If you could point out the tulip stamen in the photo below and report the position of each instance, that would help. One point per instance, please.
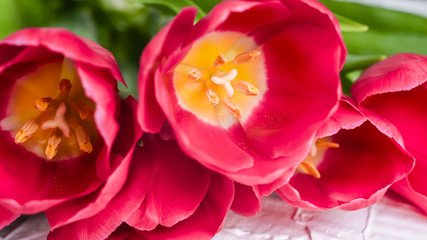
(84, 111)
(27, 131)
(53, 144)
(220, 60)
(309, 168)
(246, 57)
(315, 156)
(246, 88)
(43, 103)
(233, 108)
(194, 75)
(212, 97)
(83, 139)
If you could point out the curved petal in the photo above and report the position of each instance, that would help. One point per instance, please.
(150, 115)
(245, 201)
(219, 151)
(354, 175)
(179, 185)
(404, 188)
(6, 217)
(68, 44)
(89, 205)
(400, 72)
(208, 218)
(119, 208)
(294, 100)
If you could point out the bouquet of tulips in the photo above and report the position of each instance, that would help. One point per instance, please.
(320, 102)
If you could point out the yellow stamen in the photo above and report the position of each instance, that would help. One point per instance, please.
(233, 108)
(83, 139)
(212, 96)
(246, 88)
(53, 144)
(27, 131)
(84, 111)
(220, 60)
(43, 103)
(308, 168)
(322, 143)
(194, 75)
(246, 57)
(59, 121)
(65, 85)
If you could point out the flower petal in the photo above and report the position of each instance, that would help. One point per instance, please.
(151, 117)
(180, 184)
(208, 218)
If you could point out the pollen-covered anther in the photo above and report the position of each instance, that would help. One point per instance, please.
(308, 168)
(322, 143)
(27, 131)
(213, 98)
(220, 60)
(83, 139)
(246, 88)
(43, 103)
(53, 144)
(84, 111)
(58, 121)
(194, 75)
(233, 108)
(224, 80)
(65, 85)
(246, 57)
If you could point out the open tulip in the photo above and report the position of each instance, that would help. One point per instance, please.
(59, 108)
(350, 166)
(246, 87)
(395, 91)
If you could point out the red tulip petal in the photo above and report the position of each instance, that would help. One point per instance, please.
(208, 218)
(6, 217)
(245, 201)
(119, 208)
(180, 184)
(164, 43)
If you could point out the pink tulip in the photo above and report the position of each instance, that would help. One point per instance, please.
(350, 166)
(166, 196)
(62, 149)
(244, 89)
(393, 91)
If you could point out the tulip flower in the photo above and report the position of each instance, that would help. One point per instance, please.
(59, 131)
(245, 88)
(167, 196)
(350, 166)
(393, 91)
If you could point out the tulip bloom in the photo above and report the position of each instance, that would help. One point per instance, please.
(246, 87)
(167, 196)
(59, 131)
(350, 166)
(394, 90)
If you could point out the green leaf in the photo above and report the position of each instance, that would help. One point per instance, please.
(390, 32)
(354, 62)
(9, 18)
(348, 25)
(175, 5)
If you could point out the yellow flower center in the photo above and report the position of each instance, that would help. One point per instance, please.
(53, 122)
(315, 156)
(222, 78)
